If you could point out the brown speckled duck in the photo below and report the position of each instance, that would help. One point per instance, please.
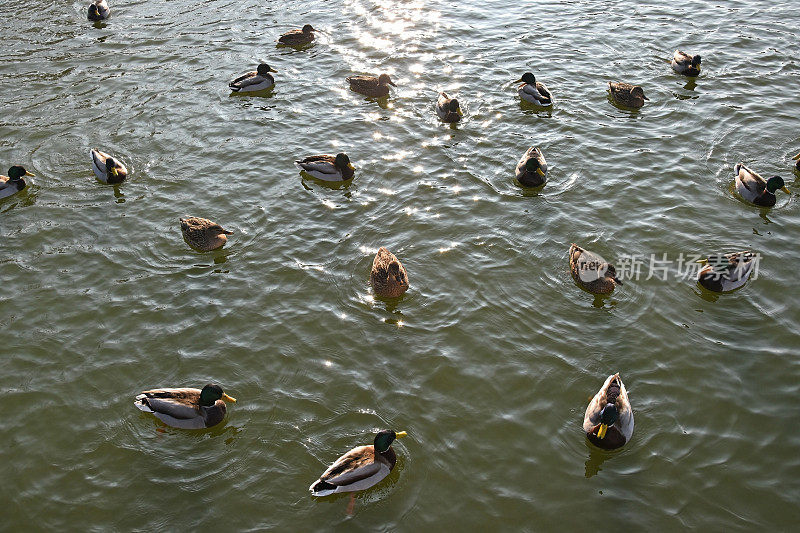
(203, 234)
(627, 95)
(297, 37)
(186, 408)
(388, 276)
(591, 272)
(608, 421)
(371, 86)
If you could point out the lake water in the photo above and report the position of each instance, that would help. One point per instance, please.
(491, 357)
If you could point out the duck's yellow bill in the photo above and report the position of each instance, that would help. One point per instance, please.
(350, 166)
(540, 172)
(601, 433)
(796, 157)
(400, 434)
(460, 113)
(786, 189)
(228, 398)
(29, 174)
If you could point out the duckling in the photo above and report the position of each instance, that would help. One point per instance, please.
(533, 91)
(797, 162)
(532, 168)
(298, 37)
(327, 167)
(107, 169)
(371, 86)
(203, 234)
(14, 182)
(591, 272)
(683, 63)
(726, 272)
(360, 468)
(99, 10)
(388, 277)
(608, 421)
(448, 109)
(756, 189)
(627, 95)
(256, 80)
(186, 408)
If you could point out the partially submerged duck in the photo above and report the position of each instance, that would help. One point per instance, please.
(298, 37)
(448, 109)
(531, 170)
(797, 162)
(591, 272)
(534, 92)
(14, 182)
(726, 272)
(99, 10)
(627, 95)
(203, 234)
(256, 80)
(371, 86)
(608, 421)
(683, 63)
(186, 408)
(388, 276)
(756, 189)
(360, 468)
(108, 169)
(327, 167)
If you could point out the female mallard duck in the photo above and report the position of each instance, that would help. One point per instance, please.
(203, 234)
(327, 167)
(99, 10)
(186, 408)
(256, 80)
(371, 86)
(360, 468)
(591, 272)
(627, 95)
(448, 109)
(683, 63)
(726, 272)
(14, 182)
(107, 169)
(797, 162)
(388, 276)
(298, 37)
(532, 168)
(756, 189)
(533, 91)
(608, 421)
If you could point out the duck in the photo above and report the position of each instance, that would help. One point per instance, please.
(107, 169)
(627, 95)
(99, 10)
(14, 182)
(534, 92)
(360, 468)
(253, 81)
(532, 168)
(327, 167)
(683, 63)
(448, 109)
(608, 421)
(186, 408)
(297, 37)
(591, 272)
(371, 86)
(755, 189)
(727, 272)
(797, 162)
(203, 234)
(388, 276)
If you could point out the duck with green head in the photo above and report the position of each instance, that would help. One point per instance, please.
(186, 408)
(448, 109)
(108, 169)
(98, 10)
(534, 92)
(726, 272)
(254, 81)
(531, 169)
(327, 167)
(755, 189)
(14, 182)
(683, 63)
(608, 421)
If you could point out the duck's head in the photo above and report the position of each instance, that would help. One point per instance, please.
(696, 62)
(532, 165)
(308, 29)
(385, 438)
(775, 183)
(264, 69)
(608, 416)
(16, 172)
(638, 92)
(343, 161)
(612, 273)
(528, 78)
(93, 10)
(213, 392)
(384, 79)
(455, 107)
(111, 167)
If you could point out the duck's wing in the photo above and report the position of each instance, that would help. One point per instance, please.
(544, 93)
(99, 164)
(180, 404)
(749, 179)
(320, 163)
(625, 411)
(356, 465)
(592, 416)
(245, 80)
(682, 58)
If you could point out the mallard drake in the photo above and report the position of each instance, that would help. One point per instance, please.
(448, 108)
(371, 86)
(756, 189)
(203, 234)
(532, 168)
(327, 167)
(186, 408)
(683, 63)
(256, 80)
(14, 182)
(298, 37)
(591, 272)
(533, 91)
(797, 162)
(107, 169)
(627, 95)
(99, 10)
(608, 421)
(388, 276)
(726, 272)
(360, 468)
